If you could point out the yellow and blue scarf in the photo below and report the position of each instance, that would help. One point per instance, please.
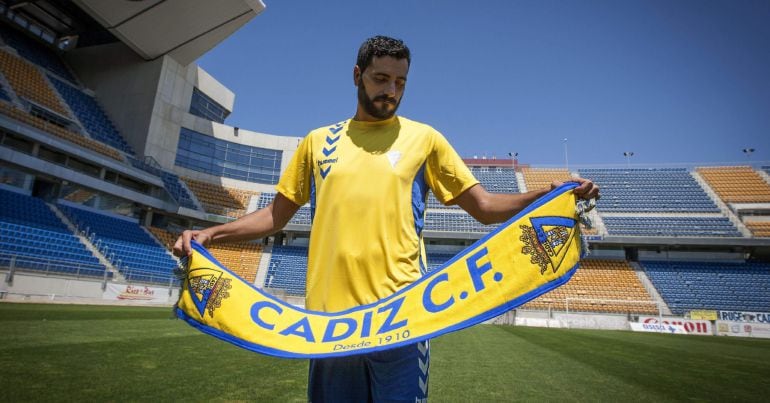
(527, 256)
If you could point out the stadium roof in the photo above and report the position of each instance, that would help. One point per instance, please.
(183, 29)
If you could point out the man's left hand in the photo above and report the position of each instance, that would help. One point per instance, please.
(585, 190)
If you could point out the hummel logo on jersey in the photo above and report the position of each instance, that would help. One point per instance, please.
(329, 149)
(393, 157)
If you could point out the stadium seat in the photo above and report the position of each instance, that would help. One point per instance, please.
(221, 200)
(91, 115)
(287, 269)
(34, 52)
(29, 84)
(737, 184)
(649, 190)
(36, 239)
(711, 285)
(599, 286)
(122, 241)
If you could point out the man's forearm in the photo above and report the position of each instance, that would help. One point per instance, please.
(255, 225)
(500, 207)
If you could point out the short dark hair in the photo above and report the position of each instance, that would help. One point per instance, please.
(381, 46)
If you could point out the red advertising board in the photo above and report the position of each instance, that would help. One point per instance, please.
(702, 327)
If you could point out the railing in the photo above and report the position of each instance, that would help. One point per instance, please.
(130, 274)
(631, 309)
(52, 266)
(153, 277)
(78, 269)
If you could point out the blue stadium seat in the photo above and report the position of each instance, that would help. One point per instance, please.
(39, 240)
(91, 115)
(129, 248)
(649, 190)
(287, 269)
(497, 179)
(450, 221)
(172, 183)
(302, 217)
(436, 260)
(711, 285)
(671, 226)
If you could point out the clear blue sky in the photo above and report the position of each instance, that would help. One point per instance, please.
(672, 81)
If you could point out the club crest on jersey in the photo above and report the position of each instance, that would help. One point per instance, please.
(393, 157)
(208, 289)
(546, 240)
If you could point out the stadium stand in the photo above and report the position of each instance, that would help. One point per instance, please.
(72, 137)
(646, 190)
(436, 259)
(221, 200)
(711, 285)
(123, 242)
(454, 222)
(440, 218)
(433, 203)
(758, 228)
(212, 196)
(4, 94)
(91, 115)
(177, 191)
(737, 184)
(497, 179)
(538, 178)
(144, 166)
(167, 238)
(242, 258)
(79, 196)
(301, 218)
(671, 226)
(647, 206)
(34, 52)
(287, 269)
(28, 83)
(37, 239)
(541, 178)
(599, 286)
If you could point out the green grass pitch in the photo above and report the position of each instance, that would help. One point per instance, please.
(99, 353)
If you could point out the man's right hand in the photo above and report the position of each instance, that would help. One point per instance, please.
(182, 246)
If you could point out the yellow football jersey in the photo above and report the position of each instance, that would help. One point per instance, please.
(367, 185)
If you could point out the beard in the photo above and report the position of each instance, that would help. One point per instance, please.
(383, 112)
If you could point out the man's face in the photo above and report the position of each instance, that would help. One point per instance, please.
(380, 87)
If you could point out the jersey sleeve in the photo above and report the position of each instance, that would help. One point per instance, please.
(446, 173)
(296, 179)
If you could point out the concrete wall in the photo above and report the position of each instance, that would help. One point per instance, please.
(28, 286)
(48, 287)
(214, 89)
(171, 113)
(149, 102)
(124, 84)
(172, 101)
